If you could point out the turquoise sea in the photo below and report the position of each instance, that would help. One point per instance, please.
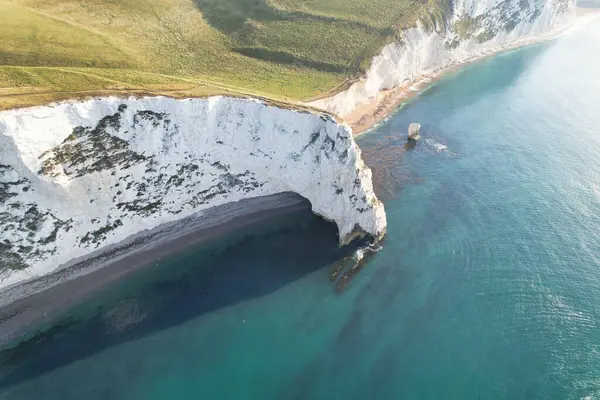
(487, 287)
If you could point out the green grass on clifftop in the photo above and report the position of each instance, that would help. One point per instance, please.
(284, 49)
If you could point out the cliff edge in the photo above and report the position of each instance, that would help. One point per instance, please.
(78, 176)
(471, 28)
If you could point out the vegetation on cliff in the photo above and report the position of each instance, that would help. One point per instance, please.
(283, 49)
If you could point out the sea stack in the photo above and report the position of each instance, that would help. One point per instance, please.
(413, 131)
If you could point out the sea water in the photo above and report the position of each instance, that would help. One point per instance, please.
(487, 286)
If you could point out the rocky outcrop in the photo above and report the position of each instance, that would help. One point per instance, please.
(78, 176)
(474, 27)
(413, 131)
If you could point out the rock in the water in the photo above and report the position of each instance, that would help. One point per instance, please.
(413, 131)
(440, 147)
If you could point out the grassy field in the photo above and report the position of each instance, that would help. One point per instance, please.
(283, 49)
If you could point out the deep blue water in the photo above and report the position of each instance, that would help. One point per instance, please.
(488, 285)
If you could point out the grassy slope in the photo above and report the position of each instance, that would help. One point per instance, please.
(284, 49)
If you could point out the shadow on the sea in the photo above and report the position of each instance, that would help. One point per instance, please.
(349, 267)
(180, 289)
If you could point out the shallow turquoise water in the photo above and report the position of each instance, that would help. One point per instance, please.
(488, 286)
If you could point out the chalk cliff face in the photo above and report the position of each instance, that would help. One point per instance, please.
(474, 27)
(77, 176)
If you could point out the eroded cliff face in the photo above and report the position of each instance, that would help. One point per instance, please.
(78, 176)
(474, 27)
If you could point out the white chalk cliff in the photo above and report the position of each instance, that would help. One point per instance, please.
(473, 28)
(78, 176)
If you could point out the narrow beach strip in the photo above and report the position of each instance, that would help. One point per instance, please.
(367, 116)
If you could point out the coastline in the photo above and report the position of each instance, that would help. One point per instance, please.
(30, 303)
(26, 305)
(367, 116)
